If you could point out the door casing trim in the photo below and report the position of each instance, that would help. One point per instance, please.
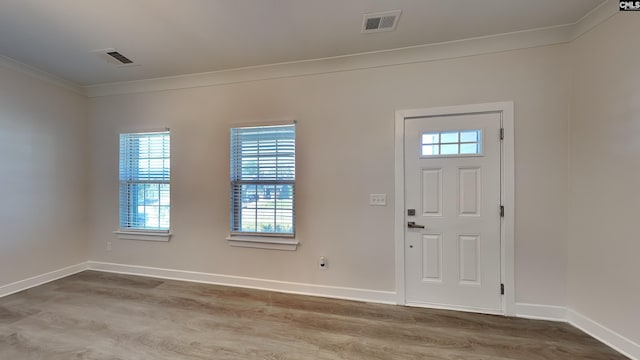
(507, 193)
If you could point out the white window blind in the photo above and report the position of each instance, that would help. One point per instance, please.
(263, 172)
(145, 178)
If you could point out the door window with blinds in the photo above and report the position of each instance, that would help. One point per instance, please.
(263, 173)
(145, 176)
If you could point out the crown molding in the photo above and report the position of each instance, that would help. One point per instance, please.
(409, 55)
(595, 17)
(17, 66)
(402, 56)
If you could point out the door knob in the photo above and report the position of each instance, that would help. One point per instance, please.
(412, 225)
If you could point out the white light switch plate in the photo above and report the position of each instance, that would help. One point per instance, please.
(378, 199)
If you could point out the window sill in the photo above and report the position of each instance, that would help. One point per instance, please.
(263, 242)
(143, 235)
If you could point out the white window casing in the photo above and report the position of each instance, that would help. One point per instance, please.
(144, 186)
(262, 186)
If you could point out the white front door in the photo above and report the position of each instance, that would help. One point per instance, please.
(452, 188)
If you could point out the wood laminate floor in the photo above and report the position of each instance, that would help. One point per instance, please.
(93, 315)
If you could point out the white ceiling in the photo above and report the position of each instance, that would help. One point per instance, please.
(178, 37)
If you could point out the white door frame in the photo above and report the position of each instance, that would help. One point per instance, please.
(507, 193)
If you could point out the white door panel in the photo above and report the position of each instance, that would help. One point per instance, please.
(432, 257)
(470, 190)
(431, 192)
(454, 261)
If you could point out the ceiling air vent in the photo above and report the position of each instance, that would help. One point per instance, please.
(123, 59)
(114, 57)
(385, 21)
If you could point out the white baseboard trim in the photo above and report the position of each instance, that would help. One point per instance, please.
(541, 312)
(609, 337)
(41, 279)
(384, 297)
(614, 340)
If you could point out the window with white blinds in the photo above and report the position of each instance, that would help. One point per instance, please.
(263, 173)
(145, 177)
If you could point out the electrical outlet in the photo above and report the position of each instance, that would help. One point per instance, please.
(323, 263)
(108, 245)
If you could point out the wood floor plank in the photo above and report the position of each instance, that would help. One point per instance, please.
(101, 316)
